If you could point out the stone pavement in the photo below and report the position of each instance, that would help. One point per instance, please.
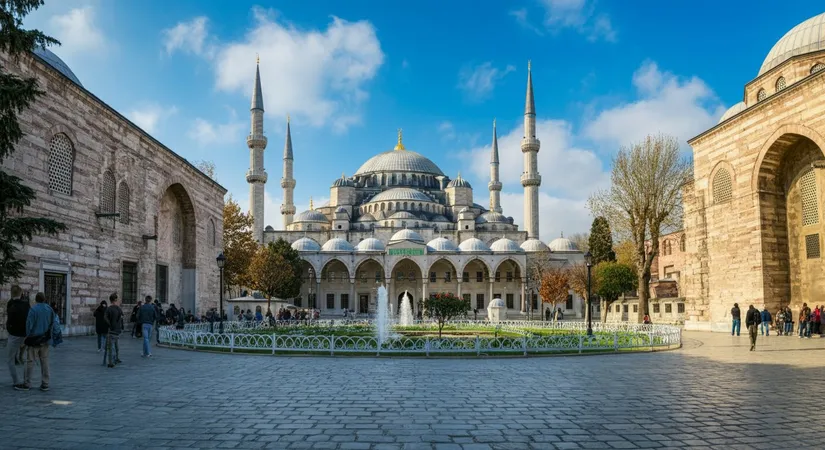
(713, 393)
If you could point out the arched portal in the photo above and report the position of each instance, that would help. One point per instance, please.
(335, 287)
(406, 276)
(175, 280)
(309, 287)
(475, 284)
(507, 281)
(369, 276)
(442, 277)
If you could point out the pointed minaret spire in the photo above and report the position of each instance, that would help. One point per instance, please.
(530, 178)
(287, 182)
(256, 141)
(288, 141)
(529, 104)
(495, 184)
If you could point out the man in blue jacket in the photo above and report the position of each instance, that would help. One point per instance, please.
(41, 320)
(147, 315)
(766, 322)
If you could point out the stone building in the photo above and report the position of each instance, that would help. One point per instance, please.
(666, 270)
(753, 213)
(140, 219)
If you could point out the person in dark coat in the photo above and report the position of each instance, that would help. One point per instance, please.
(101, 328)
(752, 320)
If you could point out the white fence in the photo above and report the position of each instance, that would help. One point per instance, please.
(252, 337)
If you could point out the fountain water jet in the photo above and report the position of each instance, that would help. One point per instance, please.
(382, 319)
(405, 315)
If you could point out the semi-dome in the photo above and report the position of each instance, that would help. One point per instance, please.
(404, 215)
(341, 209)
(399, 161)
(306, 244)
(459, 182)
(807, 37)
(473, 245)
(563, 244)
(56, 63)
(370, 245)
(441, 244)
(505, 245)
(310, 215)
(401, 194)
(491, 217)
(337, 245)
(534, 245)
(406, 235)
(366, 217)
(343, 182)
(732, 111)
(438, 218)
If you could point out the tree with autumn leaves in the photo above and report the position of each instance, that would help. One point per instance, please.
(275, 271)
(555, 286)
(239, 246)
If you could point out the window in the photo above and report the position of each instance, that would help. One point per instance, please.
(780, 84)
(510, 301)
(509, 276)
(330, 301)
(812, 246)
(123, 199)
(635, 308)
(817, 67)
(722, 186)
(399, 275)
(447, 276)
(479, 301)
(161, 283)
(498, 277)
(129, 283)
(668, 308)
(624, 309)
(465, 277)
(761, 95)
(656, 308)
(61, 164)
(682, 243)
(680, 308)
(568, 305)
(432, 277)
(344, 301)
(479, 277)
(618, 308)
(411, 276)
(377, 276)
(810, 207)
(107, 193)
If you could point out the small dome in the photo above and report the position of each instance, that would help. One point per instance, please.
(56, 63)
(505, 245)
(306, 244)
(404, 215)
(401, 194)
(343, 182)
(371, 245)
(474, 245)
(441, 245)
(459, 182)
(310, 215)
(496, 303)
(807, 37)
(366, 217)
(337, 245)
(534, 245)
(491, 217)
(563, 244)
(269, 228)
(438, 218)
(732, 111)
(407, 235)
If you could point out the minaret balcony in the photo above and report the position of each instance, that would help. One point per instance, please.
(494, 186)
(256, 141)
(287, 183)
(530, 144)
(288, 209)
(252, 177)
(530, 179)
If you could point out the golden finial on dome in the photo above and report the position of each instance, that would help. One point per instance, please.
(310, 204)
(400, 145)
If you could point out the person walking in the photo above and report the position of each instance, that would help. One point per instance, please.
(752, 321)
(766, 322)
(17, 311)
(803, 320)
(114, 321)
(780, 321)
(788, 321)
(146, 317)
(42, 324)
(737, 319)
(100, 325)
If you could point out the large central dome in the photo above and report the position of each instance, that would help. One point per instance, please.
(807, 37)
(399, 161)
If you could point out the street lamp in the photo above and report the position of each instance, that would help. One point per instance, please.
(310, 299)
(588, 260)
(221, 262)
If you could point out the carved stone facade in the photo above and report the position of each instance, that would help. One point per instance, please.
(140, 219)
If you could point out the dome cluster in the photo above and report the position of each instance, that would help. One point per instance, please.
(437, 245)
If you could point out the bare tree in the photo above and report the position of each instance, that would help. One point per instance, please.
(582, 241)
(207, 167)
(644, 199)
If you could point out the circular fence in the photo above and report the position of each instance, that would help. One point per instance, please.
(328, 337)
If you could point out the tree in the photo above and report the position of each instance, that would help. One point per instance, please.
(601, 241)
(626, 254)
(577, 275)
(275, 270)
(614, 279)
(644, 199)
(17, 95)
(443, 307)
(582, 241)
(555, 286)
(239, 245)
(207, 167)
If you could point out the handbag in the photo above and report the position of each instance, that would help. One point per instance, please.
(40, 339)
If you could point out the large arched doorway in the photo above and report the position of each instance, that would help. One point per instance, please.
(309, 288)
(507, 280)
(369, 276)
(335, 287)
(790, 182)
(442, 278)
(175, 280)
(475, 278)
(406, 276)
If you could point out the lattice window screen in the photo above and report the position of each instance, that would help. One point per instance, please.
(812, 246)
(810, 208)
(722, 186)
(761, 95)
(61, 164)
(123, 199)
(107, 193)
(780, 84)
(817, 67)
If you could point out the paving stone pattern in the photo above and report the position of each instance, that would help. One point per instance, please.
(711, 394)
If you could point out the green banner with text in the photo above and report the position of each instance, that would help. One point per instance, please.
(406, 252)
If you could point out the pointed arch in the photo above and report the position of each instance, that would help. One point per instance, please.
(330, 261)
(479, 259)
(124, 199)
(410, 262)
(515, 261)
(108, 192)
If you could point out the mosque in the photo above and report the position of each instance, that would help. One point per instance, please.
(399, 221)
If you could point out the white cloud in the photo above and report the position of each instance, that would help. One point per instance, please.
(447, 130)
(577, 15)
(666, 104)
(521, 18)
(188, 37)
(148, 115)
(77, 31)
(207, 133)
(478, 82)
(556, 215)
(317, 76)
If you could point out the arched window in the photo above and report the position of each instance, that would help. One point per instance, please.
(761, 95)
(107, 192)
(61, 164)
(123, 199)
(780, 84)
(389, 207)
(817, 67)
(405, 206)
(210, 233)
(722, 186)
(403, 224)
(393, 178)
(403, 178)
(397, 206)
(810, 208)
(682, 243)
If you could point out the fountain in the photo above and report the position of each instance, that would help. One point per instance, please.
(382, 319)
(405, 315)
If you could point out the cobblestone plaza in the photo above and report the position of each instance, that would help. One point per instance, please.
(713, 393)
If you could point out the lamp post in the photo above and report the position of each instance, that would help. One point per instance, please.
(221, 262)
(310, 299)
(588, 260)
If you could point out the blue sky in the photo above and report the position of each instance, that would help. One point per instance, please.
(350, 73)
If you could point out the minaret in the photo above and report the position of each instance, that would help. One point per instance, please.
(530, 178)
(287, 182)
(256, 141)
(494, 185)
